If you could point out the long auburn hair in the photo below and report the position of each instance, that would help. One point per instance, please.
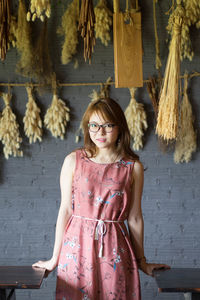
(111, 111)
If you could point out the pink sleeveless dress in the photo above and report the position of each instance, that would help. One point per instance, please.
(96, 259)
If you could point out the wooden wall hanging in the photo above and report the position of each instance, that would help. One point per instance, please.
(127, 38)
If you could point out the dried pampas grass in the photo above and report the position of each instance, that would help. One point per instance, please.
(186, 142)
(103, 23)
(70, 31)
(23, 43)
(136, 120)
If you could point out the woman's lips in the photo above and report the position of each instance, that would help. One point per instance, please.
(101, 140)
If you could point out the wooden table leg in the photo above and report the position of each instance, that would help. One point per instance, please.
(7, 294)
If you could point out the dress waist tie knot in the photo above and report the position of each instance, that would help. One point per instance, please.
(100, 229)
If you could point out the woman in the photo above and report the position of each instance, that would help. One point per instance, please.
(101, 187)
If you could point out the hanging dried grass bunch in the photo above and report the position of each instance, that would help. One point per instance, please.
(168, 104)
(95, 96)
(24, 45)
(186, 142)
(42, 65)
(86, 27)
(190, 17)
(13, 32)
(103, 17)
(5, 20)
(70, 31)
(57, 116)
(136, 120)
(9, 130)
(39, 9)
(32, 120)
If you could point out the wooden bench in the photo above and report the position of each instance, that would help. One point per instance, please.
(18, 277)
(179, 280)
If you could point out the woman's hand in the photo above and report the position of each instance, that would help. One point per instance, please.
(148, 268)
(49, 265)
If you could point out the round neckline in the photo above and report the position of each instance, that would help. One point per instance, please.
(104, 163)
(86, 157)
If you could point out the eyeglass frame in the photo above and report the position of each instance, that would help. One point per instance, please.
(101, 126)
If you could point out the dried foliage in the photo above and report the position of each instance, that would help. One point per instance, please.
(42, 65)
(86, 27)
(32, 120)
(9, 130)
(168, 104)
(70, 31)
(191, 16)
(24, 44)
(103, 17)
(56, 117)
(186, 142)
(5, 20)
(13, 32)
(39, 9)
(136, 120)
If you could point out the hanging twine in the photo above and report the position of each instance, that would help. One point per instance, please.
(57, 115)
(136, 120)
(32, 120)
(9, 130)
(168, 105)
(186, 142)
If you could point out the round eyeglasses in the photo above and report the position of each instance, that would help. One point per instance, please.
(94, 127)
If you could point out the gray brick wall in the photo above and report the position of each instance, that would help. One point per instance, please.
(29, 186)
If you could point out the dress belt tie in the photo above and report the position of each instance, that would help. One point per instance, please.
(100, 229)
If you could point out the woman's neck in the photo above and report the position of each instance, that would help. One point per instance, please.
(106, 156)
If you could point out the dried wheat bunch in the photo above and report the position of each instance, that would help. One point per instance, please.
(39, 9)
(186, 142)
(9, 130)
(167, 120)
(191, 16)
(103, 17)
(70, 31)
(32, 120)
(136, 120)
(56, 117)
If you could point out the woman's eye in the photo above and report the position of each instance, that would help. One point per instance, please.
(109, 125)
(93, 125)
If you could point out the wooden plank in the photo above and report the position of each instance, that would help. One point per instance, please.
(21, 277)
(178, 280)
(127, 51)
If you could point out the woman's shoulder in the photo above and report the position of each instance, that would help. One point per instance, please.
(70, 160)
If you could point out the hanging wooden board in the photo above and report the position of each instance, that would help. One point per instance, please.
(127, 50)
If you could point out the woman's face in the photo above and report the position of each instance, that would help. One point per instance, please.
(105, 137)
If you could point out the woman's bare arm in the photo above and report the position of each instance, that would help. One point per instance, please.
(136, 223)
